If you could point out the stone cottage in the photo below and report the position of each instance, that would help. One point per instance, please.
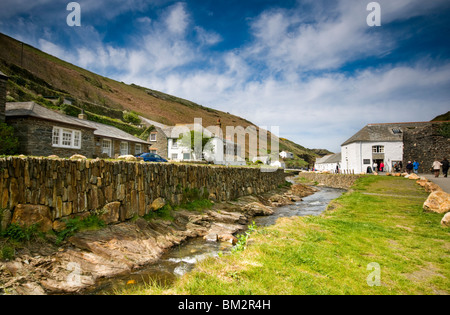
(44, 132)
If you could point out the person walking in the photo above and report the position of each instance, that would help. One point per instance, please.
(436, 167)
(445, 165)
(374, 166)
(416, 167)
(409, 167)
(381, 166)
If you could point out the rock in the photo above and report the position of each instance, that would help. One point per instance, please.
(110, 212)
(30, 288)
(5, 219)
(158, 204)
(438, 201)
(78, 157)
(413, 176)
(127, 158)
(59, 225)
(27, 215)
(301, 190)
(257, 209)
(445, 222)
(432, 187)
(422, 182)
(53, 156)
(228, 238)
(211, 237)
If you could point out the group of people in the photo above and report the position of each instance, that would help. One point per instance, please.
(436, 167)
(414, 167)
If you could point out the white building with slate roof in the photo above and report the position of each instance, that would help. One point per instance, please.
(375, 143)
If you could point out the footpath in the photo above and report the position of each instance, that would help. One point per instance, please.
(443, 182)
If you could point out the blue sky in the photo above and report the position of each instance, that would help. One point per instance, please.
(314, 68)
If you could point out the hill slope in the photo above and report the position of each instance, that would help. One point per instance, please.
(35, 75)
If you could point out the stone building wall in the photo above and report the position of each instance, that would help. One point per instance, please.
(424, 143)
(160, 145)
(75, 187)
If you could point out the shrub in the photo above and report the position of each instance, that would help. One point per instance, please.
(9, 144)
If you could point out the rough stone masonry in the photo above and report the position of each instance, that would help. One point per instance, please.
(68, 188)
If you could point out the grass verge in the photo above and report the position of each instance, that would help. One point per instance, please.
(380, 221)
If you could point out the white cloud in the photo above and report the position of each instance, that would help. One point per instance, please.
(287, 74)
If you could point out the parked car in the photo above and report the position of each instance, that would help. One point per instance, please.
(152, 157)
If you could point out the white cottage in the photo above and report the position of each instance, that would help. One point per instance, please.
(374, 143)
(329, 163)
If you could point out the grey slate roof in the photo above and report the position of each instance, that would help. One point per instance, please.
(382, 132)
(332, 158)
(103, 130)
(32, 109)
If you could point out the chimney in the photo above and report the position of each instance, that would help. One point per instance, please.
(3, 82)
(82, 115)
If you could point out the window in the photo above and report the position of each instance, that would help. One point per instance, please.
(378, 149)
(55, 140)
(66, 138)
(174, 143)
(153, 151)
(124, 148)
(153, 137)
(186, 156)
(106, 147)
(366, 161)
(138, 149)
(175, 156)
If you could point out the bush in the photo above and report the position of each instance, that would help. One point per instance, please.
(131, 117)
(9, 144)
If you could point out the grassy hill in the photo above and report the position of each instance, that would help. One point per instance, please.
(47, 80)
(443, 117)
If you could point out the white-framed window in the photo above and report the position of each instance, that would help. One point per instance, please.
(138, 148)
(66, 138)
(174, 143)
(107, 147)
(378, 149)
(153, 137)
(174, 156)
(124, 148)
(186, 156)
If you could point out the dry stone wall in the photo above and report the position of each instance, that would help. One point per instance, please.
(126, 189)
(344, 181)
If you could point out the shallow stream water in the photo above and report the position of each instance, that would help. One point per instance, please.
(183, 258)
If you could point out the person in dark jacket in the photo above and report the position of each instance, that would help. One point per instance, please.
(445, 166)
(409, 167)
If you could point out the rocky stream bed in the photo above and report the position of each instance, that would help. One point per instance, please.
(88, 257)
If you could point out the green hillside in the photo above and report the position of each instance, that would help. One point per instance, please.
(47, 80)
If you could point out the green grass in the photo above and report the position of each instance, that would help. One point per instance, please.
(381, 221)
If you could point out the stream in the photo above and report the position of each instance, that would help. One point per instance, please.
(182, 259)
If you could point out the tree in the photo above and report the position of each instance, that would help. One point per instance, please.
(9, 144)
(188, 140)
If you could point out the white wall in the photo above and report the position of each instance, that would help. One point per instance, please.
(355, 153)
